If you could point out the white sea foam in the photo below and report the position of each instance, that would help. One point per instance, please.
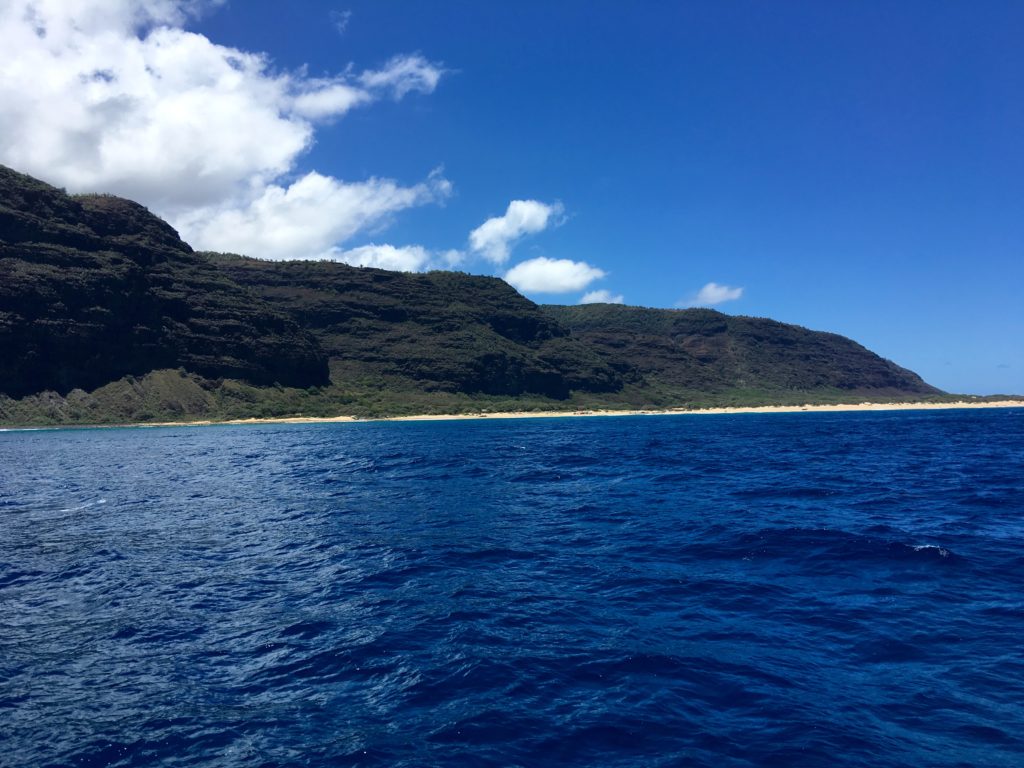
(86, 505)
(943, 552)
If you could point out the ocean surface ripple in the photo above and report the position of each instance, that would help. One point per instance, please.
(751, 590)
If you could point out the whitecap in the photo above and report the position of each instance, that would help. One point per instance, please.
(942, 551)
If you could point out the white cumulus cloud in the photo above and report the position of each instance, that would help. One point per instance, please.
(305, 219)
(544, 275)
(602, 297)
(712, 294)
(398, 258)
(494, 238)
(117, 96)
(329, 99)
(408, 258)
(451, 258)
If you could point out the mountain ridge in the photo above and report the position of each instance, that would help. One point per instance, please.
(96, 287)
(707, 350)
(107, 315)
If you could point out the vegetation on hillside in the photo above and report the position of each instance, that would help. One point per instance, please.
(176, 395)
(435, 332)
(106, 316)
(96, 287)
(684, 351)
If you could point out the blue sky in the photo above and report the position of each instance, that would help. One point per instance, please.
(851, 166)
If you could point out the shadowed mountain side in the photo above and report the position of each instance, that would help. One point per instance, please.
(95, 287)
(702, 350)
(107, 316)
(439, 331)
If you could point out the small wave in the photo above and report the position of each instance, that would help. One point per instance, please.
(824, 548)
(13, 577)
(307, 630)
(940, 551)
(805, 492)
(889, 650)
(81, 507)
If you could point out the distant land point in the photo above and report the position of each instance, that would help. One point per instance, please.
(108, 317)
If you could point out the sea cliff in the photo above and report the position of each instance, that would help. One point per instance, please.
(107, 316)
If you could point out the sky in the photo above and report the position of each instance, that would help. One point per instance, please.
(855, 167)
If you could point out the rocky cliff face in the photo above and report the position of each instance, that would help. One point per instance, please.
(94, 287)
(440, 331)
(707, 351)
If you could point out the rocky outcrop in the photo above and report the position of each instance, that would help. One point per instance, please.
(94, 287)
(443, 331)
(702, 350)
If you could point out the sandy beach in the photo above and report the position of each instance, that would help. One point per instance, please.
(842, 407)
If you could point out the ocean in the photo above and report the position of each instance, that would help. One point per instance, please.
(812, 589)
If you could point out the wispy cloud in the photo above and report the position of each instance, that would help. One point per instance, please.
(710, 295)
(494, 238)
(340, 20)
(544, 275)
(402, 75)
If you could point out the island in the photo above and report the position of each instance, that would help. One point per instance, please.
(108, 317)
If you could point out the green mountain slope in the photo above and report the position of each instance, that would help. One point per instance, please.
(704, 351)
(95, 287)
(107, 316)
(440, 331)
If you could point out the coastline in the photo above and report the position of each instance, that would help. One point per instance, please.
(832, 408)
(725, 410)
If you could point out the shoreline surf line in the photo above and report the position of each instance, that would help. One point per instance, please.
(581, 413)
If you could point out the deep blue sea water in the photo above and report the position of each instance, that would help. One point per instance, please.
(752, 590)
